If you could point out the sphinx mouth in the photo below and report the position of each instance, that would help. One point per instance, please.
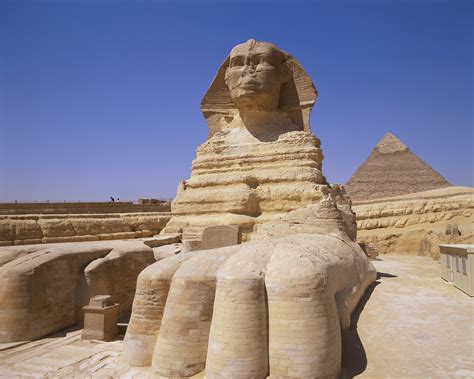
(251, 84)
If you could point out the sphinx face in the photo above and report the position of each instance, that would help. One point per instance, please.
(255, 74)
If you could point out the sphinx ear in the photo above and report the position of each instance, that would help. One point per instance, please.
(286, 72)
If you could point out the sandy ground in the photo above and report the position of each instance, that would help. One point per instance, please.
(410, 324)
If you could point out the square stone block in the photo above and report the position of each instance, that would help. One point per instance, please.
(100, 319)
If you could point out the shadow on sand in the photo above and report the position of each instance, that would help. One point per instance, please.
(354, 359)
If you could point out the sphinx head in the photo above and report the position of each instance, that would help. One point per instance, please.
(255, 75)
(258, 76)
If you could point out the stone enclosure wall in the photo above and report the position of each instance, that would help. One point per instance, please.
(23, 229)
(82, 208)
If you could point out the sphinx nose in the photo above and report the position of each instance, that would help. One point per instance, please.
(250, 65)
(251, 69)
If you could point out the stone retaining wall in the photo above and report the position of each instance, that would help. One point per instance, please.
(48, 228)
(416, 223)
(81, 208)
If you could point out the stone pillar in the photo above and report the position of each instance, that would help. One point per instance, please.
(100, 319)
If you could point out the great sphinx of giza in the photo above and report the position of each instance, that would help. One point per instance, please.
(273, 306)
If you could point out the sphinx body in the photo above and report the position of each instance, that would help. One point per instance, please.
(275, 305)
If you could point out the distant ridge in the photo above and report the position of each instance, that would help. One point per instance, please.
(392, 170)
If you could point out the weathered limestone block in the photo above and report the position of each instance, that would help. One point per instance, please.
(100, 319)
(166, 251)
(7, 232)
(51, 228)
(146, 224)
(43, 287)
(453, 230)
(163, 239)
(90, 226)
(416, 223)
(56, 227)
(27, 231)
(220, 236)
(81, 208)
(274, 305)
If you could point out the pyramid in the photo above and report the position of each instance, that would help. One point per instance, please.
(391, 170)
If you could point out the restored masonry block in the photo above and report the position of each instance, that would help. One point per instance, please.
(219, 236)
(100, 319)
(274, 305)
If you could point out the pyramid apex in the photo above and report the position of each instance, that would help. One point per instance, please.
(390, 144)
(392, 170)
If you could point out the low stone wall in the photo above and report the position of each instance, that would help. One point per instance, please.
(81, 208)
(416, 223)
(49, 228)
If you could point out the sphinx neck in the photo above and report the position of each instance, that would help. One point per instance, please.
(260, 121)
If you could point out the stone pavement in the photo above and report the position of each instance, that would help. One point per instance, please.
(66, 356)
(414, 325)
(410, 324)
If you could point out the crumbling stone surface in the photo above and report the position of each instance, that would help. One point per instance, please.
(261, 160)
(166, 251)
(452, 230)
(44, 287)
(369, 250)
(274, 305)
(51, 228)
(417, 223)
(220, 236)
(163, 239)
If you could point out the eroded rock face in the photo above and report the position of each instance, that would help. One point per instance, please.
(43, 287)
(273, 306)
(260, 160)
(417, 223)
(51, 228)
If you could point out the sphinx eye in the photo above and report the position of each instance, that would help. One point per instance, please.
(235, 62)
(266, 60)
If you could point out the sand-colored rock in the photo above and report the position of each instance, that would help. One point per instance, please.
(166, 251)
(392, 170)
(163, 239)
(80, 208)
(401, 307)
(43, 287)
(259, 162)
(206, 309)
(260, 159)
(275, 304)
(416, 223)
(51, 228)
(100, 319)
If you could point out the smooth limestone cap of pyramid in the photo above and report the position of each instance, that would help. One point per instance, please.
(392, 170)
(390, 144)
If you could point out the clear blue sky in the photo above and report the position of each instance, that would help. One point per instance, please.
(101, 98)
